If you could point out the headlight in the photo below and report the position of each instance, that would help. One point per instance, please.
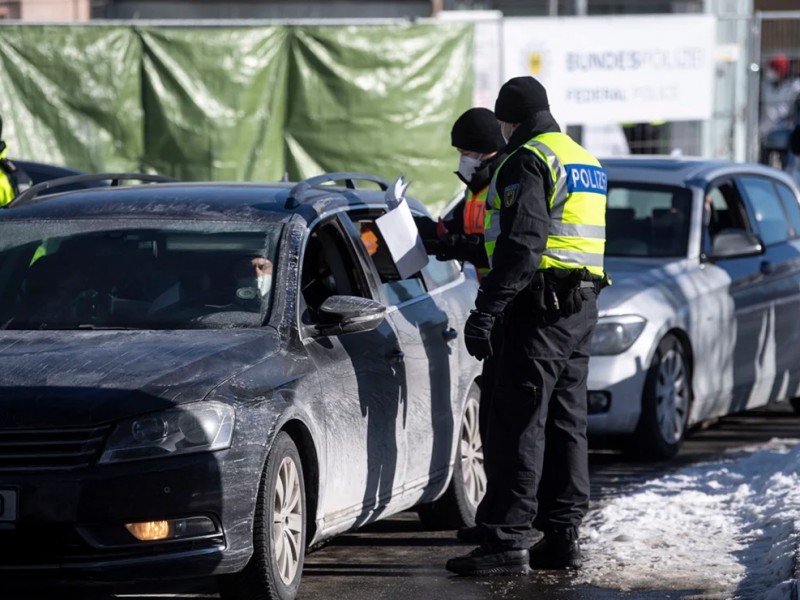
(199, 427)
(613, 335)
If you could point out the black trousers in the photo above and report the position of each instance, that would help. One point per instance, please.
(487, 384)
(538, 401)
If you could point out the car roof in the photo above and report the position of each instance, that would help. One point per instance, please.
(679, 171)
(229, 201)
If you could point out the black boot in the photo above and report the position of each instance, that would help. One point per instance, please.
(557, 550)
(485, 560)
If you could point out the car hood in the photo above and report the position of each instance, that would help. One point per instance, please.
(631, 276)
(81, 378)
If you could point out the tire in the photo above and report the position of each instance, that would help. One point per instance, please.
(666, 400)
(279, 531)
(457, 507)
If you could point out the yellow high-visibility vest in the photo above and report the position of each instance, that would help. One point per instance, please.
(577, 233)
(6, 189)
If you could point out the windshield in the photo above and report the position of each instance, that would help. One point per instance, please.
(647, 220)
(177, 276)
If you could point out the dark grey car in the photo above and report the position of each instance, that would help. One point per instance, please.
(170, 411)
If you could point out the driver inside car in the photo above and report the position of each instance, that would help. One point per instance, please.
(254, 278)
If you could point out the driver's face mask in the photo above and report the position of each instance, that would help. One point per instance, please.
(264, 283)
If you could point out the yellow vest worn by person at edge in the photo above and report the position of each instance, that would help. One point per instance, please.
(6, 189)
(577, 233)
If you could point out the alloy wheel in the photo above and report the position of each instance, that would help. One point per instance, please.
(287, 521)
(672, 395)
(472, 467)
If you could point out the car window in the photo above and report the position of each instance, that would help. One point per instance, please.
(770, 220)
(177, 276)
(403, 290)
(329, 268)
(647, 220)
(791, 206)
(724, 209)
(440, 272)
(395, 289)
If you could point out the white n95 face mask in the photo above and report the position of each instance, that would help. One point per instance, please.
(264, 283)
(467, 167)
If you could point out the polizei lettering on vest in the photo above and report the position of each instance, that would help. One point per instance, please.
(586, 178)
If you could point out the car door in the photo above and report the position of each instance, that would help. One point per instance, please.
(734, 375)
(427, 340)
(776, 361)
(363, 386)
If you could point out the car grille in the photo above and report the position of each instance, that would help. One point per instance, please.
(50, 449)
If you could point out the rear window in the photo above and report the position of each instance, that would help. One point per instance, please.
(647, 220)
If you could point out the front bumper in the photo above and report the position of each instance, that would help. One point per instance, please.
(58, 514)
(622, 377)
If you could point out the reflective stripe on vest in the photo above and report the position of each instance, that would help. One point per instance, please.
(475, 212)
(6, 189)
(577, 232)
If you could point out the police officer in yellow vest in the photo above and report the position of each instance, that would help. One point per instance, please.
(8, 180)
(477, 137)
(545, 240)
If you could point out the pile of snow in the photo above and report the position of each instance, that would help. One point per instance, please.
(729, 528)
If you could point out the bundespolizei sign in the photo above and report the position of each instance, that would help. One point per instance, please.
(601, 70)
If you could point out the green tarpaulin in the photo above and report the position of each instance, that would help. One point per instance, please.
(240, 103)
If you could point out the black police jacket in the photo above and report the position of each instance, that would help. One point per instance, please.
(523, 182)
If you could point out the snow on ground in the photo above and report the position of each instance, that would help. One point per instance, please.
(730, 528)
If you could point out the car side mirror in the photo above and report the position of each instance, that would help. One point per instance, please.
(732, 243)
(349, 314)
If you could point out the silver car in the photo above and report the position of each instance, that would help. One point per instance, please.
(702, 317)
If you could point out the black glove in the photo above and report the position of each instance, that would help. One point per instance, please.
(432, 245)
(478, 333)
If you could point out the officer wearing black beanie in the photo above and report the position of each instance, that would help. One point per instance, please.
(545, 239)
(477, 130)
(519, 99)
(476, 135)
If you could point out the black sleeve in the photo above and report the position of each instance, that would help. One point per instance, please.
(523, 186)
(454, 221)
(465, 247)
(426, 227)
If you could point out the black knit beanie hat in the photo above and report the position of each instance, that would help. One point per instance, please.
(519, 99)
(477, 130)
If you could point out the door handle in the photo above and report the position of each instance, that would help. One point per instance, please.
(768, 268)
(396, 355)
(449, 334)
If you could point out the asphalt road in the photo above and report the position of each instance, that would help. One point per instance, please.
(397, 559)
